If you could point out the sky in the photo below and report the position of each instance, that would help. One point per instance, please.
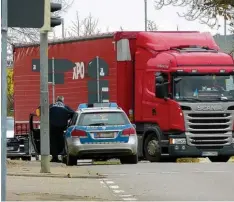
(129, 14)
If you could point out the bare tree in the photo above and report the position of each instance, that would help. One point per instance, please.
(206, 11)
(90, 26)
(151, 25)
(76, 26)
(121, 28)
(83, 27)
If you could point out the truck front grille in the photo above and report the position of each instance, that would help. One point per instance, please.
(213, 129)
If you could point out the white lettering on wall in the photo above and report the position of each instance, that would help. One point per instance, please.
(78, 70)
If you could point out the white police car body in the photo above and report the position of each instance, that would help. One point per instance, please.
(98, 131)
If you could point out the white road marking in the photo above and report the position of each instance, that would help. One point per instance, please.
(109, 182)
(129, 199)
(127, 195)
(114, 187)
(116, 190)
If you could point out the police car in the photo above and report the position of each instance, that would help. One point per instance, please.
(100, 131)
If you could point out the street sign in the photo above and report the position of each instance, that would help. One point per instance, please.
(26, 13)
(60, 65)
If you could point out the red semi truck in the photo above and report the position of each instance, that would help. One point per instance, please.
(177, 87)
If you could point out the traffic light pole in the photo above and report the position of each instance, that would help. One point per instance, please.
(45, 135)
(4, 98)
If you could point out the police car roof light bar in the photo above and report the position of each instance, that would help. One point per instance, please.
(111, 104)
(82, 106)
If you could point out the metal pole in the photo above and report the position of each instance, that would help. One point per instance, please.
(98, 81)
(225, 28)
(4, 98)
(63, 34)
(53, 82)
(146, 20)
(45, 138)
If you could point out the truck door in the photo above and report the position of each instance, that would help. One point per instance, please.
(155, 108)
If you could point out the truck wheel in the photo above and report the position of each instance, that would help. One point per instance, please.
(219, 158)
(168, 159)
(133, 159)
(152, 148)
(26, 158)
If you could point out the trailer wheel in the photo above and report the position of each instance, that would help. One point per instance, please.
(26, 158)
(152, 148)
(133, 159)
(219, 158)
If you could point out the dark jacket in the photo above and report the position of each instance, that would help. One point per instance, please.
(60, 114)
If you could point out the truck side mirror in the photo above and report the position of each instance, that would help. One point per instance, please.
(160, 91)
(177, 80)
(159, 79)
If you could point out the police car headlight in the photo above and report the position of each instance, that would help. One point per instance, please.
(177, 141)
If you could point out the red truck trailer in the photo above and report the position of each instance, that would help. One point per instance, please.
(177, 87)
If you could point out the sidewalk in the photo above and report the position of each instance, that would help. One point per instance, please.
(58, 170)
(26, 183)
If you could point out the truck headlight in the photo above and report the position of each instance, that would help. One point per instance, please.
(177, 141)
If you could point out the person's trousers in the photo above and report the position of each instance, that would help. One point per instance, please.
(56, 140)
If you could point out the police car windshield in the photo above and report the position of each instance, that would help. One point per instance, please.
(103, 118)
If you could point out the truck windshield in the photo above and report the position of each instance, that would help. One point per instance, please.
(103, 118)
(205, 87)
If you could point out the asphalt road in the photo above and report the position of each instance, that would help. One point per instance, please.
(169, 181)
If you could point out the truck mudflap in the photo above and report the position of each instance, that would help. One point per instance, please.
(178, 147)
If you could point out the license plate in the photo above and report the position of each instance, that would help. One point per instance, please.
(10, 148)
(104, 135)
(209, 153)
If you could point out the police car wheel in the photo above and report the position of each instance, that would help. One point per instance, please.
(133, 159)
(152, 148)
(71, 160)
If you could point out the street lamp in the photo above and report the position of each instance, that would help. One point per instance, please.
(146, 20)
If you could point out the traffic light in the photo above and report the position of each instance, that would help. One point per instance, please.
(49, 21)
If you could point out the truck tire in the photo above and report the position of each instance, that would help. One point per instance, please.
(219, 158)
(152, 148)
(133, 159)
(168, 159)
(26, 158)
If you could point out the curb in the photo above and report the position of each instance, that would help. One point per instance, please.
(56, 175)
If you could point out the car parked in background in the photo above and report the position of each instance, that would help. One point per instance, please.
(15, 145)
(100, 131)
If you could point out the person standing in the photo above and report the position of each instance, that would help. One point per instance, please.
(59, 114)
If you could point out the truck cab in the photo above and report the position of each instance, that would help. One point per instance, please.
(184, 97)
